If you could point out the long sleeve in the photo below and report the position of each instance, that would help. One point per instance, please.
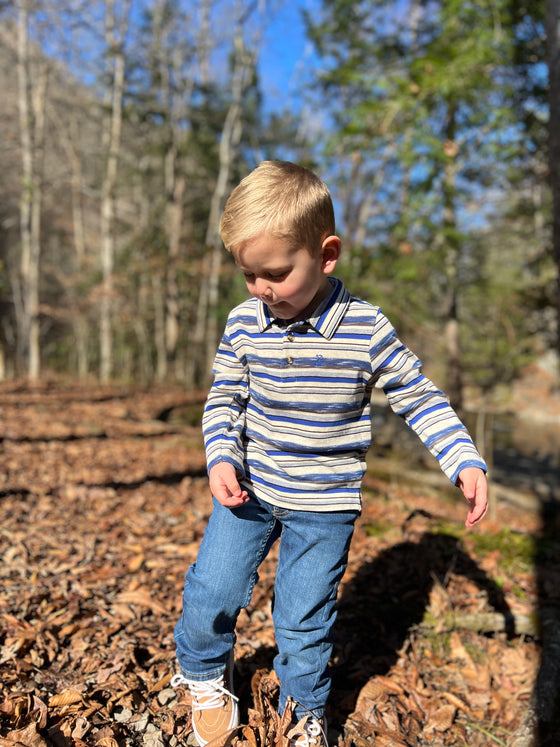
(223, 421)
(423, 406)
(290, 404)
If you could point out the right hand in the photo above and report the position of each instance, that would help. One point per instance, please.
(225, 487)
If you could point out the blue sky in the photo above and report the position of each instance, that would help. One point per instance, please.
(285, 50)
(281, 53)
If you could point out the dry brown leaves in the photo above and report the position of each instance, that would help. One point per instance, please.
(102, 509)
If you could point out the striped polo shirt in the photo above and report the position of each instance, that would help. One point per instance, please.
(290, 402)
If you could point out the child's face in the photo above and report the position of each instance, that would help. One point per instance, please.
(290, 281)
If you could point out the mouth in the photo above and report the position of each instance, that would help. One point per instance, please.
(280, 312)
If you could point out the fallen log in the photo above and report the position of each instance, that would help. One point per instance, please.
(486, 623)
(428, 478)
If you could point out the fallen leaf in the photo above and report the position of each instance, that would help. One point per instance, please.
(103, 509)
(442, 719)
(141, 598)
(65, 698)
(27, 736)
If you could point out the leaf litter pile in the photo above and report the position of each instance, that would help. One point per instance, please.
(104, 500)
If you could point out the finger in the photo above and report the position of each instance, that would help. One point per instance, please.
(476, 512)
(232, 485)
(231, 501)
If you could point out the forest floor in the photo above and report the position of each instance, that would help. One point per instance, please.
(103, 502)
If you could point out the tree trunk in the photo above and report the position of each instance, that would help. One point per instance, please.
(207, 325)
(553, 51)
(32, 95)
(24, 321)
(159, 326)
(174, 224)
(69, 138)
(231, 135)
(177, 88)
(114, 39)
(454, 366)
(454, 378)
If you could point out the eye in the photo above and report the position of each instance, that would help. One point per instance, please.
(277, 275)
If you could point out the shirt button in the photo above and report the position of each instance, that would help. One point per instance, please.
(289, 361)
(291, 338)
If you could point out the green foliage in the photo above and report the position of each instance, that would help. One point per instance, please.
(424, 101)
(498, 328)
(429, 123)
(516, 550)
(531, 91)
(379, 528)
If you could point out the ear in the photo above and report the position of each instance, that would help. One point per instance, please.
(330, 250)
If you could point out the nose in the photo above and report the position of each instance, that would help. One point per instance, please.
(261, 288)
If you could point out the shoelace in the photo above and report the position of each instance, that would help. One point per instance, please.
(314, 730)
(211, 690)
(310, 733)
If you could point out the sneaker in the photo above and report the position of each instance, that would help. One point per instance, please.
(310, 731)
(214, 706)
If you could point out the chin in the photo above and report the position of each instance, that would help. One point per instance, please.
(280, 312)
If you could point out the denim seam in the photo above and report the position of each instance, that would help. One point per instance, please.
(260, 558)
(218, 672)
(197, 678)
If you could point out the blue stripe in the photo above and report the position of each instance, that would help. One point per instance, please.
(314, 409)
(301, 421)
(342, 491)
(442, 406)
(304, 378)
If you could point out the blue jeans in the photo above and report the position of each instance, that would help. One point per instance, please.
(312, 559)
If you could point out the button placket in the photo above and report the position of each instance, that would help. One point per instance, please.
(290, 337)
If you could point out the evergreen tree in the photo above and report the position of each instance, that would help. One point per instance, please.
(421, 95)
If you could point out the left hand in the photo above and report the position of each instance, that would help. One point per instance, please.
(472, 481)
(225, 486)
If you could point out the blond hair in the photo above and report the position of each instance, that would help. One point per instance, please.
(282, 199)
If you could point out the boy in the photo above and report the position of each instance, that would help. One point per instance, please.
(286, 429)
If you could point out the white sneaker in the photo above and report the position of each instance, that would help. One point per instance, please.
(310, 731)
(214, 706)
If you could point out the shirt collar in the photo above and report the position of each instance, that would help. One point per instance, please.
(325, 319)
